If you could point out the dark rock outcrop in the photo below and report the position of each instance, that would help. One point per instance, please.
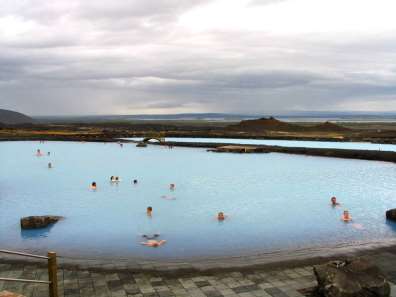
(391, 214)
(141, 144)
(358, 277)
(35, 222)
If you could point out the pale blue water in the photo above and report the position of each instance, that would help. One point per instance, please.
(288, 143)
(274, 201)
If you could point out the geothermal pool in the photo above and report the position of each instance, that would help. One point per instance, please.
(287, 143)
(274, 201)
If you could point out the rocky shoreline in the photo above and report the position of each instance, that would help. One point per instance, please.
(321, 152)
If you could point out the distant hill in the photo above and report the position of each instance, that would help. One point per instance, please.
(329, 127)
(272, 124)
(265, 124)
(9, 117)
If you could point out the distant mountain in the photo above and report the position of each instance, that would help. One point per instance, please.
(144, 117)
(318, 117)
(9, 117)
(265, 124)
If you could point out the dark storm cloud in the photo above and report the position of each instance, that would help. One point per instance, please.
(133, 56)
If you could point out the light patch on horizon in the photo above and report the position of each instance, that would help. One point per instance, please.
(172, 56)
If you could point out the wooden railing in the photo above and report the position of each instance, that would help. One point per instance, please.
(52, 271)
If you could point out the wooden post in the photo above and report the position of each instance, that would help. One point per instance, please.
(52, 274)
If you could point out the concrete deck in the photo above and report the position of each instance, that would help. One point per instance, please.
(114, 281)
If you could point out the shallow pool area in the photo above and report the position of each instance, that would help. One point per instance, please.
(273, 201)
(286, 143)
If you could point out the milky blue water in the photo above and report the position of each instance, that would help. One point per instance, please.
(273, 201)
(288, 143)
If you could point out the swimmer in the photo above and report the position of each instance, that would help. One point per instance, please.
(38, 154)
(221, 216)
(117, 179)
(172, 187)
(153, 243)
(168, 197)
(49, 153)
(93, 186)
(135, 181)
(358, 226)
(149, 211)
(334, 201)
(112, 179)
(346, 217)
(151, 236)
(49, 165)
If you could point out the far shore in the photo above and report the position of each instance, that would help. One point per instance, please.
(381, 133)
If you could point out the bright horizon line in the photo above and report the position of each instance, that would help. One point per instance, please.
(299, 113)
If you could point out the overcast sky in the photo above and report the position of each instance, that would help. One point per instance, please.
(174, 56)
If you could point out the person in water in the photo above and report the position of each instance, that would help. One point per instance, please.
(334, 201)
(149, 211)
(49, 153)
(50, 165)
(153, 243)
(151, 236)
(168, 197)
(93, 186)
(135, 181)
(38, 154)
(221, 216)
(172, 186)
(346, 217)
(117, 179)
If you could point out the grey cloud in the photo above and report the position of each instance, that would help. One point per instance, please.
(264, 2)
(128, 56)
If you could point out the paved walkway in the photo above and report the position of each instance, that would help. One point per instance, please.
(102, 282)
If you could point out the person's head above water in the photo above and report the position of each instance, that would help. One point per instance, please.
(346, 216)
(135, 181)
(334, 201)
(93, 185)
(149, 210)
(221, 216)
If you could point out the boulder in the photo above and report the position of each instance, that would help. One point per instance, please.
(35, 222)
(9, 294)
(391, 214)
(356, 278)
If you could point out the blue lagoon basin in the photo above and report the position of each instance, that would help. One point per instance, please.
(272, 201)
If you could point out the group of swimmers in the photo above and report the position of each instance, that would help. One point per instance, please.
(151, 241)
(40, 154)
(114, 179)
(346, 217)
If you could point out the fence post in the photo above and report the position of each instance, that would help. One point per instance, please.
(52, 274)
